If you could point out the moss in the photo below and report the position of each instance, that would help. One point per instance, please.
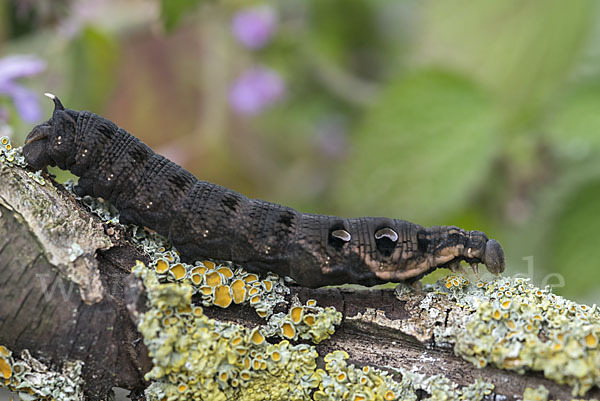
(33, 380)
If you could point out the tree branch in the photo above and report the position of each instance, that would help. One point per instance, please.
(68, 295)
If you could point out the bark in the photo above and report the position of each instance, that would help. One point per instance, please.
(67, 295)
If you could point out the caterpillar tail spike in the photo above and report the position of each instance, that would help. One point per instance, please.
(57, 104)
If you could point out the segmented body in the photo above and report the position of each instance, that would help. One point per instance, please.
(207, 220)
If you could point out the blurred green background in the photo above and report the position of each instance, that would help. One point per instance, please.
(483, 115)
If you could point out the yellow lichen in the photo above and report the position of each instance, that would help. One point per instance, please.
(513, 325)
(591, 340)
(238, 288)
(33, 380)
(5, 368)
(223, 296)
(288, 330)
(206, 290)
(201, 270)
(225, 271)
(162, 266)
(456, 282)
(214, 279)
(296, 313)
(196, 279)
(195, 357)
(256, 337)
(178, 271)
(262, 313)
(268, 285)
(309, 320)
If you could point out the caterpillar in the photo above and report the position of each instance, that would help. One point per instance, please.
(202, 219)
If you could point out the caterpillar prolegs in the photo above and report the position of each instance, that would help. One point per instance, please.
(202, 219)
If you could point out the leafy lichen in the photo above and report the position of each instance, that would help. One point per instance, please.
(196, 357)
(199, 358)
(12, 156)
(33, 380)
(511, 324)
(224, 284)
(536, 394)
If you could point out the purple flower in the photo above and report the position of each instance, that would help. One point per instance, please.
(25, 100)
(255, 90)
(253, 27)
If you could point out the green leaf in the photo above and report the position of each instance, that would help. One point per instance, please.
(422, 150)
(171, 11)
(94, 56)
(523, 51)
(575, 125)
(573, 247)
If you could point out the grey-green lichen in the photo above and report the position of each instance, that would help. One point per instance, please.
(536, 394)
(342, 381)
(199, 358)
(102, 209)
(12, 156)
(33, 380)
(511, 324)
(196, 357)
(224, 284)
(235, 362)
(65, 241)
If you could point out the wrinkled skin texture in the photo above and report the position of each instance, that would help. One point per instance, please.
(207, 220)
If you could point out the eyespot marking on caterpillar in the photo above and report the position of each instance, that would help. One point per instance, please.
(388, 233)
(385, 240)
(341, 235)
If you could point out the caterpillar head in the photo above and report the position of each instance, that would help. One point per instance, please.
(480, 249)
(51, 143)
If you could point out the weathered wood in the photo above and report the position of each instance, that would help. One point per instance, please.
(92, 321)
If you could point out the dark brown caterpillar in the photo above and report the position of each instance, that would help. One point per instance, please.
(207, 220)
